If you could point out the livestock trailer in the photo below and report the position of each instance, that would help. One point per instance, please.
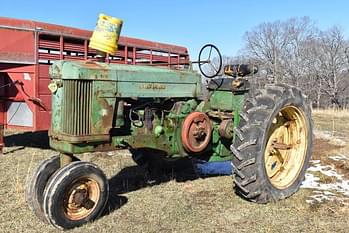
(28, 48)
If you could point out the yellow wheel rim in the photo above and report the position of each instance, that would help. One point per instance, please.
(81, 198)
(286, 148)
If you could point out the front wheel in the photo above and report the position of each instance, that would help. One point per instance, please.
(75, 194)
(273, 143)
(37, 183)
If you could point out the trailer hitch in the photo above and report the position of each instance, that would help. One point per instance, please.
(35, 100)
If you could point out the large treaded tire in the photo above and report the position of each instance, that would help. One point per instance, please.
(249, 170)
(36, 185)
(68, 178)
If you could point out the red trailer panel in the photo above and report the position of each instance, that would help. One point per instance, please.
(17, 46)
(28, 48)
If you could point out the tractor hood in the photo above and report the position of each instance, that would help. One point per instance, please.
(131, 81)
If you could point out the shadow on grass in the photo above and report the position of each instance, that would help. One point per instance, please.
(37, 139)
(134, 178)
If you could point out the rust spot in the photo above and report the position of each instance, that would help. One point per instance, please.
(107, 115)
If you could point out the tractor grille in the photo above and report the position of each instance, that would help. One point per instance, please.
(77, 107)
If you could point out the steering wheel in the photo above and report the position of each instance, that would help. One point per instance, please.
(210, 68)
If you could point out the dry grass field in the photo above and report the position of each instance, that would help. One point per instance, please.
(186, 203)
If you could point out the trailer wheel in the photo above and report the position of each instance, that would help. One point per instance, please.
(37, 183)
(76, 194)
(273, 143)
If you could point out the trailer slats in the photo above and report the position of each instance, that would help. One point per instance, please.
(28, 48)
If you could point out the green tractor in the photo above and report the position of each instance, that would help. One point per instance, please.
(265, 133)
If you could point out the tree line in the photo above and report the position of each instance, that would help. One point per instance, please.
(297, 52)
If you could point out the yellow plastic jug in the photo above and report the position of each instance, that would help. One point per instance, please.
(105, 37)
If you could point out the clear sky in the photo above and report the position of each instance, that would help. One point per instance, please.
(190, 23)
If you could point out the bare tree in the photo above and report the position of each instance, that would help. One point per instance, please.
(278, 46)
(332, 59)
(265, 43)
(295, 51)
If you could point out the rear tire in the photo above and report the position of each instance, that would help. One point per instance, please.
(273, 143)
(76, 194)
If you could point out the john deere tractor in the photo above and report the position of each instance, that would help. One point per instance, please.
(265, 133)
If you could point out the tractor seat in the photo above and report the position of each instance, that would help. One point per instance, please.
(240, 70)
(228, 84)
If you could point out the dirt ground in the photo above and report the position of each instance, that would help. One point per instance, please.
(186, 203)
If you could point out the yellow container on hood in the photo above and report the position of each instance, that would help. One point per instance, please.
(105, 37)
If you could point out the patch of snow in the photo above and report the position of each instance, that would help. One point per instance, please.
(327, 170)
(320, 198)
(338, 157)
(338, 142)
(328, 136)
(329, 193)
(324, 192)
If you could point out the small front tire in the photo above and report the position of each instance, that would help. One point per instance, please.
(76, 194)
(37, 183)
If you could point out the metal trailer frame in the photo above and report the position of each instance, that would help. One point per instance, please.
(28, 48)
